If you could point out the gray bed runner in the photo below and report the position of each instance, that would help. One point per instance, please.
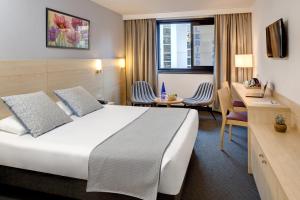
(129, 162)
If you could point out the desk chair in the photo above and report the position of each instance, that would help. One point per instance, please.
(238, 105)
(233, 118)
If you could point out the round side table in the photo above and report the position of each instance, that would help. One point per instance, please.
(168, 103)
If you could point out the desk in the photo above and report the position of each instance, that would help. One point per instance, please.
(281, 169)
(258, 110)
(267, 101)
(261, 110)
(273, 157)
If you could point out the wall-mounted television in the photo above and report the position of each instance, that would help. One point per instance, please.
(276, 40)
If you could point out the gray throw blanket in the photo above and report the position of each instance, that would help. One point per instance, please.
(129, 162)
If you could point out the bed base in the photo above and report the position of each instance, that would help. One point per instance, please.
(59, 185)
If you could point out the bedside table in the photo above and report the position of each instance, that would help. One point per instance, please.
(104, 102)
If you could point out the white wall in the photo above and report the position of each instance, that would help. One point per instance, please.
(23, 30)
(184, 85)
(284, 73)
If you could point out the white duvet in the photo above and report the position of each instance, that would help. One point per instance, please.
(65, 150)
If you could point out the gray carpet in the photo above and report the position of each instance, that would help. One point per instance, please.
(212, 174)
(215, 174)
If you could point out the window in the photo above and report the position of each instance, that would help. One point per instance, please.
(186, 45)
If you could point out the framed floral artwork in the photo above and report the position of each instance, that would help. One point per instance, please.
(66, 31)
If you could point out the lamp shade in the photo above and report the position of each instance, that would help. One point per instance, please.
(244, 60)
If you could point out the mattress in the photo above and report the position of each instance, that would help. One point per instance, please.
(65, 150)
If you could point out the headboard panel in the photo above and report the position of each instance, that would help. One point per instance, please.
(17, 77)
(70, 73)
(22, 77)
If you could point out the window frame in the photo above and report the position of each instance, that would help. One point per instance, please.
(193, 69)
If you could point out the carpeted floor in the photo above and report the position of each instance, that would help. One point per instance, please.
(212, 174)
(215, 174)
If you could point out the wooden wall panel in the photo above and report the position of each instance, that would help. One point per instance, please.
(71, 73)
(113, 78)
(17, 77)
(11, 68)
(71, 65)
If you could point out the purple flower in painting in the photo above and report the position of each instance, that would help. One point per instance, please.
(73, 37)
(76, 22)
(52, 34)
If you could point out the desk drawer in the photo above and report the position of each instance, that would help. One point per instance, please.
(268, 186)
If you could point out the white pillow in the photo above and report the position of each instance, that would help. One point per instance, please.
(65, 108)
(12, 125)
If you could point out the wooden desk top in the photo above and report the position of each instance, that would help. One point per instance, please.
(282, 150)
(266, 102)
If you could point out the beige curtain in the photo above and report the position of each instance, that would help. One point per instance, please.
(140, 53)
(233, 34)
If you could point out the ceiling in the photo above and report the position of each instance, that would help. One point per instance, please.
(134, 7)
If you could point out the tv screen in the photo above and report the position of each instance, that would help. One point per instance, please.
(276, 40)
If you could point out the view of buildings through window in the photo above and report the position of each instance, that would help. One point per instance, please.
(175, 45)
(204, 48)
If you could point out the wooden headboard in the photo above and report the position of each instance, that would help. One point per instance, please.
(18, 77)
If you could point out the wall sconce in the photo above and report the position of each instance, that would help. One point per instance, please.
(122, 63)
(98, 66)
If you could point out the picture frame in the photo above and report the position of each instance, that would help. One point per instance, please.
(66, 31)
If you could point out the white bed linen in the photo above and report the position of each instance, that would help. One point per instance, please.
(65, 150)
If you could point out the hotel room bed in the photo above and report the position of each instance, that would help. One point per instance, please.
(65, 150)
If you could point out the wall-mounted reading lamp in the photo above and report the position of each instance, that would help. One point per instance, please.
(122, 63)
(98, 66)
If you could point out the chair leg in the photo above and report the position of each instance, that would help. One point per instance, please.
(222, 135)
(230, 132)
(212, 113)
